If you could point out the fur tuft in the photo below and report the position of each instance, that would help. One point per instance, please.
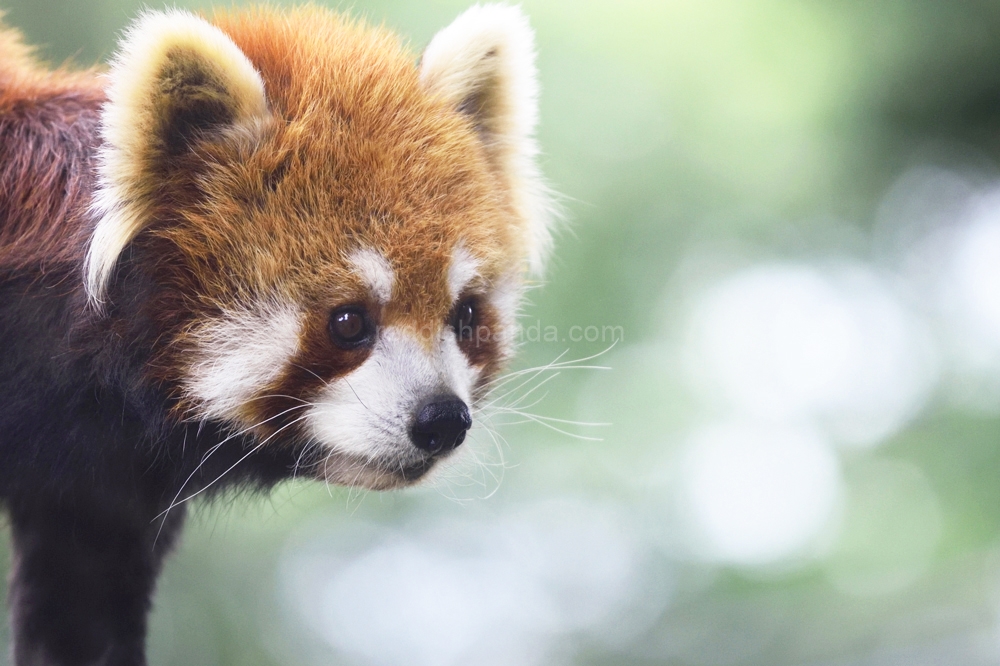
(484, 64)
(174, 78)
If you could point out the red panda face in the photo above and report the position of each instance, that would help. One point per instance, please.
(338, 237)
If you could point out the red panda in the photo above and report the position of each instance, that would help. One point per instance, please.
(263, 245)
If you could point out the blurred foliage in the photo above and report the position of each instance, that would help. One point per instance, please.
(730, 131)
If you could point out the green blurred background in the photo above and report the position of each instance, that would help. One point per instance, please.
(792, 212)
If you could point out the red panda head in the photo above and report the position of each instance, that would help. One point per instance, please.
(336, 237)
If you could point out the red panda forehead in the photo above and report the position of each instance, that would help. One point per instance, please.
(362, 153)
(301, 239)
(317, 64)
(413, 219)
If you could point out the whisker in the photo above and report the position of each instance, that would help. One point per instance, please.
(231, 467)
(508, 393)
(525, 395)
(208, 454)
(561, 431)
(296, 365)
(555, 364)
(553, 419)
(277, 395)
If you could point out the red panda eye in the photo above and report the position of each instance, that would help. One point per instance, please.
(464, 319)
(351, 327)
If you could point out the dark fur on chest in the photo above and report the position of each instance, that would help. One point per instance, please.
(90, 466)
(91, 462)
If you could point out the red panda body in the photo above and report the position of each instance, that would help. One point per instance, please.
(266, 246)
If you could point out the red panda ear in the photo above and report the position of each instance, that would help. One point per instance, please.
(484, 64)
(176, 80)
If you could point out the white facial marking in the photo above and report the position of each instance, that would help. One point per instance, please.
(369, 411)
(375, 271)
(240, 353)
(506, 297)
(461, 271)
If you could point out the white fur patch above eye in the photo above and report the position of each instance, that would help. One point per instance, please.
(375, 271)
(462, 270)
(239, 354)
(506, 297)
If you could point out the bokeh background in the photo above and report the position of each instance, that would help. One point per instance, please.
(783, 239)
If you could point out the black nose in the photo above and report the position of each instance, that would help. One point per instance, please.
(441, 425)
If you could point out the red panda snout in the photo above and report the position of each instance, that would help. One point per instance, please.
(376, 413)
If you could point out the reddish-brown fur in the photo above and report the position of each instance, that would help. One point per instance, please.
(48, 120)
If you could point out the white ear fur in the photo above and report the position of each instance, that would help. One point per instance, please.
(158, 46)
(484, 64)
